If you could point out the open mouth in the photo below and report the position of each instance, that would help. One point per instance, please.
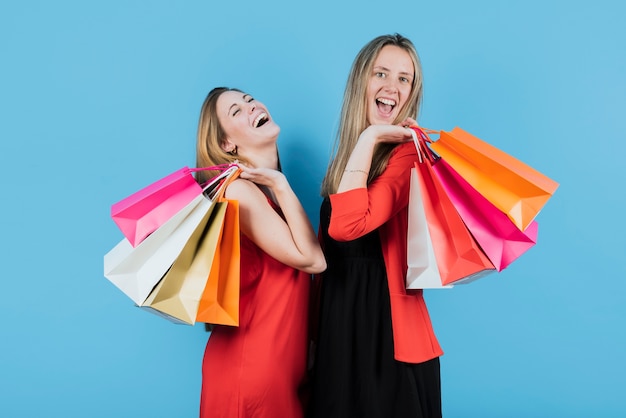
(261, 120)
(385, 105)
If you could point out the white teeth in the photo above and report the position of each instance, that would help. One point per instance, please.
(258, 119)
(387, 101)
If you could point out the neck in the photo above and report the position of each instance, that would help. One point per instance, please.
(264, 158)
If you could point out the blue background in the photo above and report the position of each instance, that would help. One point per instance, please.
(98, 99)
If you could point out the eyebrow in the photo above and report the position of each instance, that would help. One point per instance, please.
(235, 104)
(380, 67)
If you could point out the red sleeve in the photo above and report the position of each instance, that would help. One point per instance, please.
(357, 212)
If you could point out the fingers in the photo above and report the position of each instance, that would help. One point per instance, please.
(390, 133)
(262, 176)
(395, 133)
(408, 122)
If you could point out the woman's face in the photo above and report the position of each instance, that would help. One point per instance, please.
(246, 121)
(389, 85)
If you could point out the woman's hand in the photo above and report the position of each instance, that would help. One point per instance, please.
(388, 133)
(409, 122)
(273, 179)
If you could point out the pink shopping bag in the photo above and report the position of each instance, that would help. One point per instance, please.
(141, 213)
(496, 234)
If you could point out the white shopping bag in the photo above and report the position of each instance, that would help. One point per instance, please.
(422, 272)
(136, 271)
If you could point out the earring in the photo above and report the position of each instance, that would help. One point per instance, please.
(234, 151)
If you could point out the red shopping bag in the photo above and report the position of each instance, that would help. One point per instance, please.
(459, 257)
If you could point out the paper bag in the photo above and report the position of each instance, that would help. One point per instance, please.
(178, 293)
(219, 303)
(143, 212)
(459, 257)
(512, 186)
(135, 271)
(496, 234)
(422, 272)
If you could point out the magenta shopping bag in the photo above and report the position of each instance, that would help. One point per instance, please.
(141, 213)
(497, 235)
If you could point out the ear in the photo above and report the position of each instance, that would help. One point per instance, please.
(228, 146)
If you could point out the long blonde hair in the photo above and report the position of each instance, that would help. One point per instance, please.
(354, 110)
(211, 136)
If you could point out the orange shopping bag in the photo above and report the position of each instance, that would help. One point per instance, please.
(512, 186)
(219, 303)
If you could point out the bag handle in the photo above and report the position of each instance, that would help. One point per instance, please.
(222, 168)
(427, 131)
(219, 195)
(219, 167)
(421, 140)
(216, 187)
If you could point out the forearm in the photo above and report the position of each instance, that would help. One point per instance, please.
(302, 233)
(358, 166)
(359, 211)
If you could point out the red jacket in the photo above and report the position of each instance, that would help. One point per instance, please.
(383, 205)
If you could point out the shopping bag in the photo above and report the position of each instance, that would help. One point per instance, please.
(136, 270)
(422, 272)
(141, 213)
(496, 234)
(177, 295)
(459, 257)
(219, 303)
(512, 186)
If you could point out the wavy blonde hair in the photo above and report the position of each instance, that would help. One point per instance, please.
(354, 110)
(211, 136)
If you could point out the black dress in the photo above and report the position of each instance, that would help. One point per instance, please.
(355, 373)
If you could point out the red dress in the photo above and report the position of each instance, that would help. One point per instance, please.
(256, 369)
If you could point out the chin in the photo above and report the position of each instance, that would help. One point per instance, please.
(382, 121)
(272, 130)
(377, 119)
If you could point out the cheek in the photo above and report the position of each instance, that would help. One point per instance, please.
(405, 94)
(234, 128)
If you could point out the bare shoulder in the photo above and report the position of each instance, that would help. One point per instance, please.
(246, 192)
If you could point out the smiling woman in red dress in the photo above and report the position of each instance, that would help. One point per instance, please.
(256, 369)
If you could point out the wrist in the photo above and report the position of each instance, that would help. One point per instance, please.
(281, 184)
(356, 171)
(367, 138)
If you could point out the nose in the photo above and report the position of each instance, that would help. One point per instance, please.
(392, 84)
(252, 107)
